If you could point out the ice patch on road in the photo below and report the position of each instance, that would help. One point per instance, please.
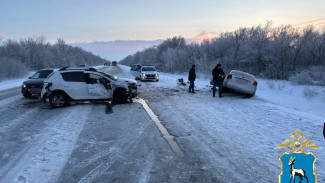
(44, 159)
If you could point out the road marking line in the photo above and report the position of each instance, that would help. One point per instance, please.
(169, 138)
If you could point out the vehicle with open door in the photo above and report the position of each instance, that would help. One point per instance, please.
(86, 84)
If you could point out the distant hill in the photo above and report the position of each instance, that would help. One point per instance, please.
(116, 50)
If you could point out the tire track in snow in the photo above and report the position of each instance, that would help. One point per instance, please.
(145, 175)
(44, 160)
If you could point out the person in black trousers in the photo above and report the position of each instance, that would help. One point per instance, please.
(218, 76)
(191, 78)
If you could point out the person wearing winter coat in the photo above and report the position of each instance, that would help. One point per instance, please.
(218, 76)
(191, 78)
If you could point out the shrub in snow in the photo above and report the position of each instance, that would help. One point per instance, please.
(281, 85)
(270, 84)
(314, 75)
(309, 92)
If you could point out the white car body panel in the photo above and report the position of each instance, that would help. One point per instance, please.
(241, 82)
(98, 91)
(76, 90)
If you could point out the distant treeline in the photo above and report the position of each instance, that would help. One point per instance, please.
(34, 53)
(284, 52)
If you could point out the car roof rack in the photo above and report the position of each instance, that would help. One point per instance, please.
(63, 68)
(86, 69)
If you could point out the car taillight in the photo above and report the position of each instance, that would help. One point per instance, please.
(255, 83)
(229, 76)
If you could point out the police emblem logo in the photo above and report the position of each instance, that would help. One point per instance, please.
(297, 165)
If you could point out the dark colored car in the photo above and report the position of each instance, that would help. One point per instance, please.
(34, 84)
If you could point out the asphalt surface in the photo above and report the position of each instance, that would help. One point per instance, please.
(84, 143)
(9, 92)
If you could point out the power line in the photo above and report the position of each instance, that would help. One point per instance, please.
(309, 21)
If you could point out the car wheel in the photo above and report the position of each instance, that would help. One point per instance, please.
(249, 95)
(58, 100)
(27, 95)
(157, 80)
(120, 96)
(225, 90)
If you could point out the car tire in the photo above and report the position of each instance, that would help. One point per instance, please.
(249, 95)
(226, 90)
(27, 95)
(58, 100)
(120, 96)
(157, 80)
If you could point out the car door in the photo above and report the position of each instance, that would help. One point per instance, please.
(75, 85)
(98, 86)
(135, 71)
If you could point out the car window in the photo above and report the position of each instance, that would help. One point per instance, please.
(148, 69)
(110, 76)
(42, 74)
(73, 76)
(136, 67)
(94, 78)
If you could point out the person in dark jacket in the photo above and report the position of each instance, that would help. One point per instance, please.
(191, 78)
(218, 76)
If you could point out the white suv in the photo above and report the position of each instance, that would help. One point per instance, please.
(86, 84)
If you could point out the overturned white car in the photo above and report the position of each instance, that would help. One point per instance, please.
(86, 84)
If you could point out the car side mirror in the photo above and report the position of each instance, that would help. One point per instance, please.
(29, 77)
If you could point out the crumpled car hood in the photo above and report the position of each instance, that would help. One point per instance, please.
(125, 80)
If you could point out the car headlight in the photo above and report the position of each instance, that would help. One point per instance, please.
(143, 75)
(24, 85)
(156, 75)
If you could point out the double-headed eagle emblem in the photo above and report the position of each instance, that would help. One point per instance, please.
(297, 144)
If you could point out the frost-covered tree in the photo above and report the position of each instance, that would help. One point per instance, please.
(35, 53)
(263, 50)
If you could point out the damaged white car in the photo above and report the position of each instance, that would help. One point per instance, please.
(86, 84)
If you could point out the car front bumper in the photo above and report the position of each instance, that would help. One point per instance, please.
(31, 90)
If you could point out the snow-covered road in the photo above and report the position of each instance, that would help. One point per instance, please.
(231, 139)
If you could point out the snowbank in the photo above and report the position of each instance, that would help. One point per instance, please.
(12, 83)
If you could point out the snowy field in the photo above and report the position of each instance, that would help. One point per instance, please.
(231, 139)
(12, 83)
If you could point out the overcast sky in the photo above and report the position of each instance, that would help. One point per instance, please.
(107, 20)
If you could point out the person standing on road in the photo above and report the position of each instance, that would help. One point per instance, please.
(218, 76)
(191, 78)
